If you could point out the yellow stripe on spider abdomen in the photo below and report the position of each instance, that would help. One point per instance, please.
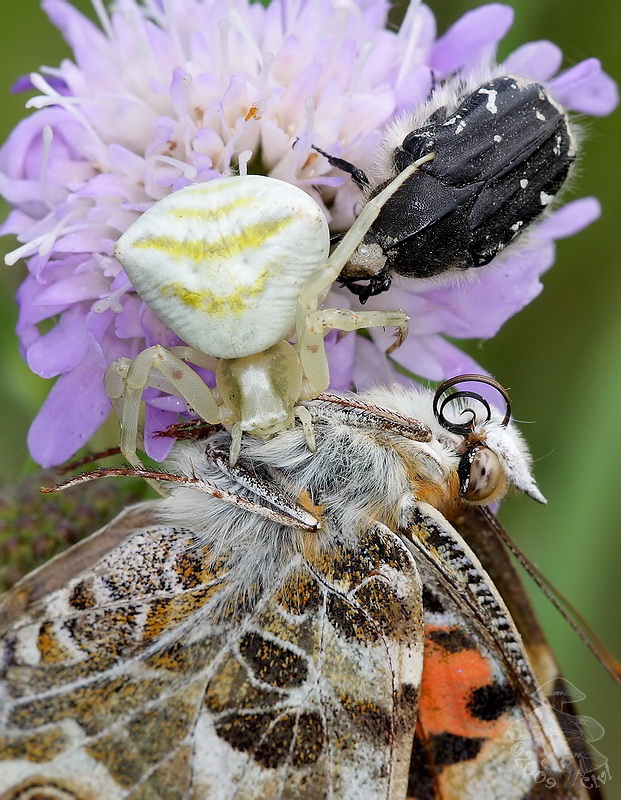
(249, 237)
(234, 303)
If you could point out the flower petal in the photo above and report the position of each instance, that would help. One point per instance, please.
(62, 348)
(587, 88)
(156, 421)
(73, 410)
(472, 38)
(569, 219)
(536, 60)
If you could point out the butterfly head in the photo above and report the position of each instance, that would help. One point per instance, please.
(492, 453)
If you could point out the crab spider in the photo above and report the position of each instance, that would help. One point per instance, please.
(235, 267)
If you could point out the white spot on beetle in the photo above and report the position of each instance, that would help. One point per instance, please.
(540, 116)
(516, 226)
(498, 138)
(460, 127)
(524, 183)
(491, 100)
(545, 199)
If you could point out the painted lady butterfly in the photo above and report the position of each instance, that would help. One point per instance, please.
(328, 625)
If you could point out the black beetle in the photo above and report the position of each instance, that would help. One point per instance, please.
(503, 149)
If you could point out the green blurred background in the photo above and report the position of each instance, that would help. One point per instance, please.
(561, 357)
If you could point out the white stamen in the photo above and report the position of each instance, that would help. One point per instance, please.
(268, 60)
(60, 229)
(224, 26)
(53, 98)
(47, 135)
(188, 170)
(173, 29)
(365, 52)
(112, 300)
(103, 18)
(242, 161)
(44, 243)
(309, 113)
(23, 250)
(413, 23)
(239, 23)
(224, 162)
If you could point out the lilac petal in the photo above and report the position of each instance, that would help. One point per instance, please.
(26, 136)
(81, 34)
(415, 354)
(479, 308)
(24, 84)
(16, 222)
(341, 351)
(127, 324)
(63, 348)
(446, 360)
(167, 402)
(536, 60)
(83, 286)
(471, 38)
(76, 406)
(586, 88)
(157, 420)
(569, 219)
(15, 191)
(372, 367)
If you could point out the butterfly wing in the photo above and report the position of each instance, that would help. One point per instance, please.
(484, 729)
(128, 672)
(473, 524)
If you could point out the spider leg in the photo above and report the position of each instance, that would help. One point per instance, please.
(312, 348)
(125, 382)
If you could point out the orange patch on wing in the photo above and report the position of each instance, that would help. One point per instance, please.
(449, 678)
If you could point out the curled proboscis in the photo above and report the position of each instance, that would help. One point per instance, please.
(443, 398)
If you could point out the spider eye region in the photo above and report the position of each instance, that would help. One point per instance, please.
(222, 263)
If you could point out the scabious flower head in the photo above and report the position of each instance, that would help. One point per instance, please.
(170, 92)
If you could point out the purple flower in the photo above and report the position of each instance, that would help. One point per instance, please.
(162, 95)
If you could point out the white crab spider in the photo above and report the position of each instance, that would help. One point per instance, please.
(235, 267)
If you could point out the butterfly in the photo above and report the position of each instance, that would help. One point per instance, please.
(297, 625)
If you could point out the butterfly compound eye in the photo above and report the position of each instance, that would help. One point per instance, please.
(481, 475)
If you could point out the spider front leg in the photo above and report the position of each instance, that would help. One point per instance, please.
(318, 285)
(126, 380)
(311, 345)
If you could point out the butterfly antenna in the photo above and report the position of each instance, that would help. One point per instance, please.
(565, 608)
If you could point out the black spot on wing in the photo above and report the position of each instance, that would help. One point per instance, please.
(452, 641)
(431, 602)
(421, 784)
(448, 748)
(490, 702)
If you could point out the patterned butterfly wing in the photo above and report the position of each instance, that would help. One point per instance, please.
(474, 525)
(127, 672)
(484, 730)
